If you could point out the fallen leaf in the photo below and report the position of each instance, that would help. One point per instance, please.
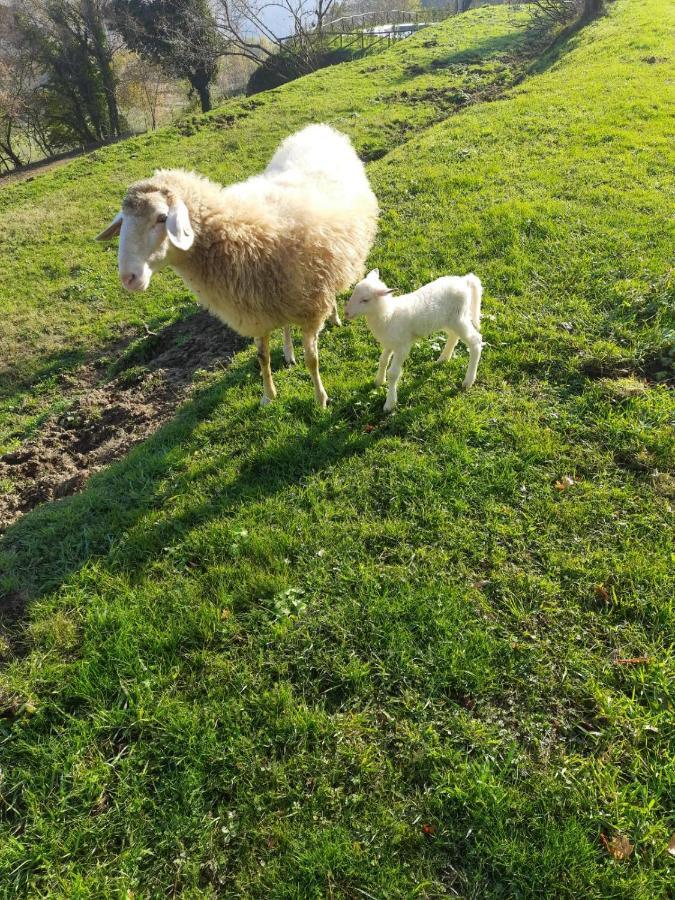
(225, 614)
(602, 593)
(634, 661)
(619, 847)
(671, 845)
(369, 428)
(565, 482)
(480, 584)
(429, 829)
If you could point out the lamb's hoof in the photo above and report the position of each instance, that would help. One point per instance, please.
(290, 361)
(265, 400)
(466, 385)
(323, 401)
(389, 408)
(379, 382)
(335, 320)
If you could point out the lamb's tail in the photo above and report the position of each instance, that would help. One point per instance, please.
(476, 290)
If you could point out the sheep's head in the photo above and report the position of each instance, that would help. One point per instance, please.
(152, 223)
(366, 293)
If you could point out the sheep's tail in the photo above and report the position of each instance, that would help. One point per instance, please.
(476, 291)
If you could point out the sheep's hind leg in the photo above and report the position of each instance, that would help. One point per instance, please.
(449, 348)
(289, 354)
(474, 341)
(392, 378)
(334, 317)
(310, 340)
(385, 356)
(269, 391)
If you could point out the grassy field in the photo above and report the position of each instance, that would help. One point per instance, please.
(49, 260)
(282, 652)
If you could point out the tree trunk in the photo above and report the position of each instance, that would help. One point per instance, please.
(102, 53)
(592, 8)
(200, 82)
(8, 150)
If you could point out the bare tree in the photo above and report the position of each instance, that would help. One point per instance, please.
(260, 29)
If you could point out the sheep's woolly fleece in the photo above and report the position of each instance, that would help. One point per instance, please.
(275, 249)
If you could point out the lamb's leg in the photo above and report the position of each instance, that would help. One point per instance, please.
(449, 348)
(269, 391)
(289, 355)
(474, 341)
(310, 340)
(334, 317)
(393, 376)
(385, 356)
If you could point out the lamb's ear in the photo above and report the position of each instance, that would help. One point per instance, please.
(373, 275)
(178, 226)
(383, 291)
(112, 230)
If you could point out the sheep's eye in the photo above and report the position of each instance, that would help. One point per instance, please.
(161, 218)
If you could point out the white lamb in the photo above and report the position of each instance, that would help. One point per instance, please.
(267, 253)
(450, 304)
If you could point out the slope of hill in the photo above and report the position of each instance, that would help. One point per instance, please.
(282, 652)
(49, 261)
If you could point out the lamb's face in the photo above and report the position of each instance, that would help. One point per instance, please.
(365, 295)
(149, 226)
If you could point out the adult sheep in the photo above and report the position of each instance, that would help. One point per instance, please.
(270, 252)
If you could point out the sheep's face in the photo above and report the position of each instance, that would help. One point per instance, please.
(150, 226)
(366, 295)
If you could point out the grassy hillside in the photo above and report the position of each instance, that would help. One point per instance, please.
(49, 261)
(288, 653)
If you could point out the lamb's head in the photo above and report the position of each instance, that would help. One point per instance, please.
(152, 224)
(366, 295)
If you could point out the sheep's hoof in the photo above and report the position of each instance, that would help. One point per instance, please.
(323, 401)
(466, 385)
(379, 382)
(265, 400)
(290, 361)
(335, 320)
(388, 408)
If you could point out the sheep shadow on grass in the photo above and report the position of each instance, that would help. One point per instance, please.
(47, 546)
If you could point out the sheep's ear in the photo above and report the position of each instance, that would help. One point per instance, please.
(178, 226)
(383, 291)
(371, 276)
(112, 230)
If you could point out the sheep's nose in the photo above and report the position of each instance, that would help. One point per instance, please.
(129, 279)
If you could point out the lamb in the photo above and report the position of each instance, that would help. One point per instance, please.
(450, 304)
(262, 254)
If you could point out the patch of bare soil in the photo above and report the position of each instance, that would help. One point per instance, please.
(108, 417)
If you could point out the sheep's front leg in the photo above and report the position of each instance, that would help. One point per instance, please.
(334, 317)
(449, 348)
(392, 378)
(289, 354)
(269, 391)
(385, 356)
(474, 341)
(310, 340)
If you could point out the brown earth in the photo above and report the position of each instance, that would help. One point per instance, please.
(107, 417)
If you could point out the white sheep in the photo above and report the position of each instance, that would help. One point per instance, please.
(449, 304)
(266, 253)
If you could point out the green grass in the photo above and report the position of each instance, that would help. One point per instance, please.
(49, 260)
(290, 653)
